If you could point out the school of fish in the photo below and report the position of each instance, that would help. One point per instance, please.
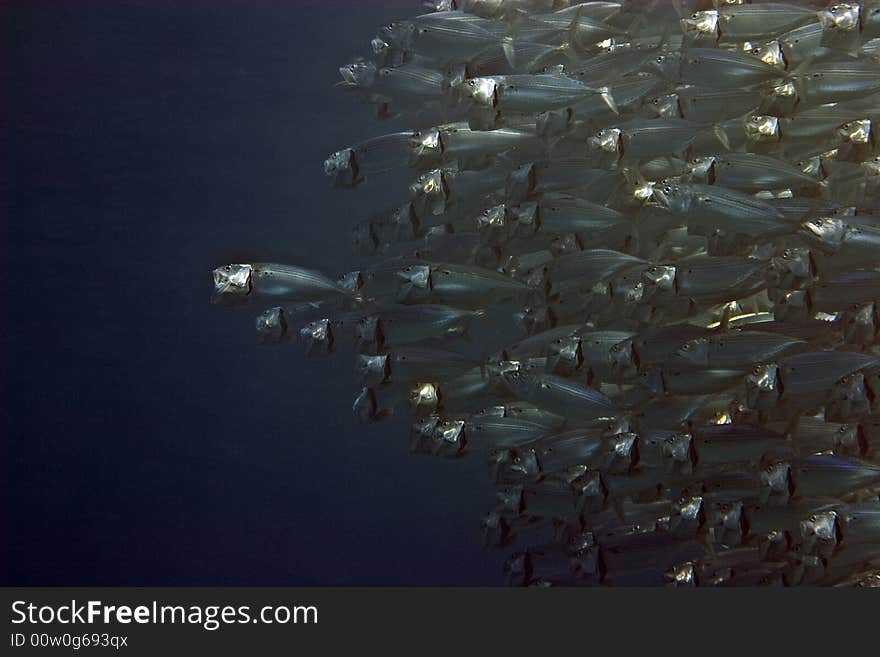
(637, 271)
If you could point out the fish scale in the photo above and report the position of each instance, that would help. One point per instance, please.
(651, 260)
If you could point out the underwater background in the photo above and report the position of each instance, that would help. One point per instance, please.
(147, 440)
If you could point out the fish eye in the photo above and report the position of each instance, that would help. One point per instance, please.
(756, 371)
(660, 59)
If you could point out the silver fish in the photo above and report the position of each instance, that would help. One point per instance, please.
(531, 93)
(747, 22)
(559, 395)
(707, 67)
(735, 349)
(242, 282)
(749, 172)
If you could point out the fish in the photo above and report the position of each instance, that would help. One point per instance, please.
(559, 395)
(531, 93)
(238, 283)
(708, 67)
(807, 375)
(623, 256)
(746, 22)
(749, 172)
(736, 349)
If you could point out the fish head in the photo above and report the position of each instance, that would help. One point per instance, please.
(482, 92)
(271, 326)
(623, 360)
(232, 283)
(589, 489)
(727, 516)
(426, 148)
(690, 508)
(495, 530)
(527, 219)
(493, 224)
(429, 193)
(776, 478)
(841, 18)
(827, 233)
(848, 397)
(701, 27)
(693, 353)
(792, 305)
(851, 439)
(627, 288)
(792, 268)
(666, 106)
(398, 33)
(363, 239)
(762, 128)
(373, 370)
(368, 334)
(674, 197)
(450, 439)
(860, 324)
(682, 575)
(780, 99)
(763, 386)
(518, 569)
(624, 451)
(521, 182)
(343, 168)
(318, 336)
(553, 123)
(404, 223)
(523, 464)
(359, 74)
(653, 380)
(702, 170)
(660, 277)
(424, 398)
(351, 281)
(513, 376)
(608, 143)
(585, 558)
(534, 319)
(383, 52)
(421, 434)
(769, 53)
(565, 355)
(510, 498)
(856, 132)
(415, 284)
(666, 64)
(821, 531)
(454, 76)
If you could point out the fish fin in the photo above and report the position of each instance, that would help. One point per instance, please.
(721, 134)
(573, 27)
(605, 93)
(509, 53)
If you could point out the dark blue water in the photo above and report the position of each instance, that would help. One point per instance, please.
(146, 438)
